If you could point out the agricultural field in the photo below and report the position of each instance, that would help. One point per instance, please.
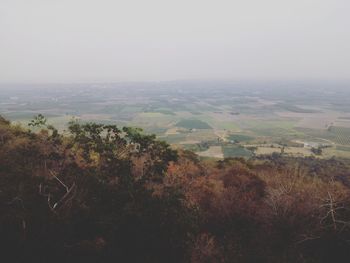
(214, 119)
(213, 151)
(193, 124)
(236, 151)
(240, 137)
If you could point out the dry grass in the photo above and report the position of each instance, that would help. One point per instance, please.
(213, 151)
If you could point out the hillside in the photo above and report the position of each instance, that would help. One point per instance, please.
(102, 193)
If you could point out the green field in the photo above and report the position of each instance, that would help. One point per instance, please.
(342, 134)
(343, 148)
(240, 138)
(235, 151)
(193, 124)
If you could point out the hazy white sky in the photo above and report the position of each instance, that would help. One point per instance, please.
(135, 40)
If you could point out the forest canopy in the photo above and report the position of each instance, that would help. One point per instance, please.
(102, 193)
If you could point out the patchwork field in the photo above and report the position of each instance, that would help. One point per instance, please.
(214, 119)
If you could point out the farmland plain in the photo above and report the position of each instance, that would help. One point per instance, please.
(215, 119)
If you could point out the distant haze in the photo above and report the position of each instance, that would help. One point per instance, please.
(155, 40)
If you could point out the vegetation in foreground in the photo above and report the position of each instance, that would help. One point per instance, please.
(104, 194)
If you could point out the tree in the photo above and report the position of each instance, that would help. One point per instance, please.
(38, 121)
(317, 151)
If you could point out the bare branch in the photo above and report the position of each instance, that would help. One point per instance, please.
(55, 176)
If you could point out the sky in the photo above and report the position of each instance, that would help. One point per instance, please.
(158, 40)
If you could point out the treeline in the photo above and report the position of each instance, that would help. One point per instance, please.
(98, 193)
